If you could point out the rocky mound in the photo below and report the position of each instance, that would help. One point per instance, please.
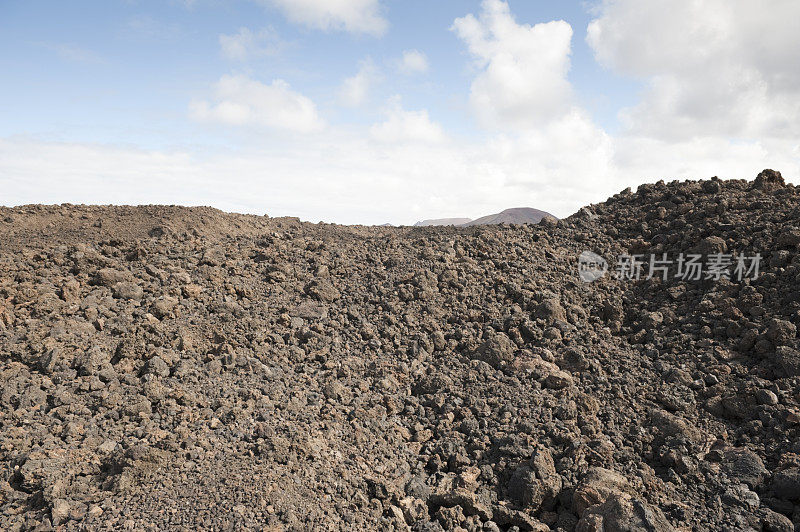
(182, 369)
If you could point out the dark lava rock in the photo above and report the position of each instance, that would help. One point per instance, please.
(786, 484)
(170, 368)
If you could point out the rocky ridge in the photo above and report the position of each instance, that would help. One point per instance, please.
(175, 368)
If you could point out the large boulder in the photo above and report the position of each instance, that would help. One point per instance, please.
(623, 513)
(596, 486)
(786, 484)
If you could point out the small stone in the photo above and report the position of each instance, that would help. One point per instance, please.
(787, 361)
(496, 351)
(781, 332)
(744, 466)
(70, 291)
(333, 390)
(322, 290)
(192, 291)
(766, 397)
(597, 486)
(107, 446)
(109, 276)
(535, 484)
(310, 311)
(450, 518)
(60, 511)
(740, 495)
(164, 307)
(157, 366)
(128, 290)
(790, 238)
(558, 379)
(551, 310)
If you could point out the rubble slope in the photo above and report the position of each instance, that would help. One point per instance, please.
(182, 368)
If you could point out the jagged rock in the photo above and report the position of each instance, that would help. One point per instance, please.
(787, 361)
(775, 522)
(596, 486)
(769, 179)
(536, 483)
(786, 484)
(109, 277)
(128, 290)
(551, 310)
(310, 311)
(497, 351)
(164, 307)
(323, 291)
(744, 466)
(781, 332)
(622, 513)
(60, 511)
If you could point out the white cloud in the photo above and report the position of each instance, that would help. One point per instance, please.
(413, 62)
(355, 89)
(239, 101)
(355, 16)
(346, 178)
(641, 159)
(545, 147)
(340, 178)
(522, 68)
(247, 44)
(714, 68)
(565, 160)
(407, 126)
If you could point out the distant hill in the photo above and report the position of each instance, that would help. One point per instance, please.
(518, 215)
(443, 221)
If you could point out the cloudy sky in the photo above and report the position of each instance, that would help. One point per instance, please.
(374, 111)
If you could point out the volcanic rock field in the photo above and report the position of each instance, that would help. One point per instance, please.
(172, 368)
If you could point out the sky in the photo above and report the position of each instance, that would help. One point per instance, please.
(390, 111)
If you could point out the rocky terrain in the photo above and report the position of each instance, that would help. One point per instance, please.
(167, 368)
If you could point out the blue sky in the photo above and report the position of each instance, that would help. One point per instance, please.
(135, 63)
(506, 109)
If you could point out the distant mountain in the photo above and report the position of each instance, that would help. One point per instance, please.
(443, 221)
(518, 215)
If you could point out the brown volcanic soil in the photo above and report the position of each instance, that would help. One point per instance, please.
(182, 369)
